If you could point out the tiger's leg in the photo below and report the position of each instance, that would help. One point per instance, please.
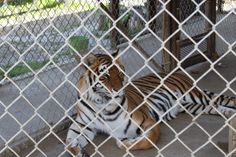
(77, 141)
(142, 142)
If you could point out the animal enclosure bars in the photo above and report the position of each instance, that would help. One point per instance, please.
(44, 45)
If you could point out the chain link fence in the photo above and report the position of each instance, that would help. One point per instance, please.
(43, 44)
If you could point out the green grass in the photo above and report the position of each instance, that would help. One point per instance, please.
(1, 74)
(61, 55)
(79, 42)
(41, 8)
(19, 8)
(18, 2)
(22, 68)
(134, 31)
(106, 25)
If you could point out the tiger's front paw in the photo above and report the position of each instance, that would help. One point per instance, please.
(119, 144)
(124, 144)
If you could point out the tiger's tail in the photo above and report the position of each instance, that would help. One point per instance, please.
(211, 103)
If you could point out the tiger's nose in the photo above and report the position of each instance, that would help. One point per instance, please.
(94, 89)
(116, 88)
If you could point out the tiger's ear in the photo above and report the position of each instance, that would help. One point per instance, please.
(90, 59)
(116, 53)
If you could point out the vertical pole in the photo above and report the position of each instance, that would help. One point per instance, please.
(178, 14)
(211, 40)
(170, 26)
(232, 137)
(166, 32)
(152, 11)
(220, 6)
(175, 49)
(115, 13)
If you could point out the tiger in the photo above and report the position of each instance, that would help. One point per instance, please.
(131, 111)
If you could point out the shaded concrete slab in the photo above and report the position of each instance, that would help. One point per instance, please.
(192, 137)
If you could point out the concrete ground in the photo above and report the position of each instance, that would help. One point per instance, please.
(193, 137)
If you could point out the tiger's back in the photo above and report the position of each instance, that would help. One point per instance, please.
(149, 92)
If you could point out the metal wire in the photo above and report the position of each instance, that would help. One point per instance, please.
(41, 62)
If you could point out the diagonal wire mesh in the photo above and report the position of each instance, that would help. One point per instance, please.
(43, 45)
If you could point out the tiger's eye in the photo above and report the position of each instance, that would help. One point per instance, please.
(121, 74)
(106, 75)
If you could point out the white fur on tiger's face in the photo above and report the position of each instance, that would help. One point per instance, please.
(102, 80)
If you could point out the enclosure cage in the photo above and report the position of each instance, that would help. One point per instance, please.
(43, 45)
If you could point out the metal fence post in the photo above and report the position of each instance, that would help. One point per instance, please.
(115, 13)
(169, 27)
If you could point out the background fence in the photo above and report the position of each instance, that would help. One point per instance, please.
(42, 43)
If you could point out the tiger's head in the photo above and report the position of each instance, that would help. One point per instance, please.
(103, 79)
